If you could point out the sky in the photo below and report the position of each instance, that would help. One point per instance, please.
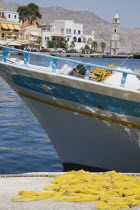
(129, 10)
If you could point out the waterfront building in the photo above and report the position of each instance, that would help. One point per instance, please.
(47, 31)
(9, 27)
(115, 36)
(10, 16)
(9, 31)
(31, 33)
(66, 30)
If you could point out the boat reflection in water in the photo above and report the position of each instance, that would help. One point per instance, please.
(93, 125)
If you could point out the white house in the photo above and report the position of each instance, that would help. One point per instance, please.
(31, 33)
(10, 16)
(47, 31)
(66, 30)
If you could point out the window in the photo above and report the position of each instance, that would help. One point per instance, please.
(68, 39)
(2, 35)
(74, 31)
(47, 38)
(9, 16)
(115, 30)
(74, 39)
(79, 39)
(2, 14)
(62, 30)
(89, 41)
(15, 16)
(84, 40)
(68, 31)
(79, 32)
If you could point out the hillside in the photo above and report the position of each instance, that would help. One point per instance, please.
(130, 38)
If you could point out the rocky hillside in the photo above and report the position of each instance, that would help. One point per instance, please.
(130, 38)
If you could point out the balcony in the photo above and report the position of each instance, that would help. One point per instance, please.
(33, 39)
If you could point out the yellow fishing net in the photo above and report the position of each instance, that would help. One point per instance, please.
(99, 74)
(110, 190)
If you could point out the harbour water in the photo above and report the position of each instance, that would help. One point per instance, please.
(24, 146)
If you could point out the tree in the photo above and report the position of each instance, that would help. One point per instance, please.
(23, 12)
(103, 46)
(57, 44)
(82, 50)
(65, 45)
(29, 12)
(39, 40)
(50, 44)
(87, 48)
(72, 45)
(94, 45)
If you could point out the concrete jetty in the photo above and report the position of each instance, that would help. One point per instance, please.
(10, 185)
(85, 55)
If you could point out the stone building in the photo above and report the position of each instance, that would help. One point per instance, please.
(66, 30)
(115, 36)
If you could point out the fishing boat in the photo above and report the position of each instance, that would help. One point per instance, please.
(93, 125)
(136, 55)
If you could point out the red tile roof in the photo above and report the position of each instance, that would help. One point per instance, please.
(27, 23)
(4, 20)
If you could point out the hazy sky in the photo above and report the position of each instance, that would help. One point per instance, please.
(129, 10)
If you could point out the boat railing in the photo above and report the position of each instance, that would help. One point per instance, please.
(53, 61)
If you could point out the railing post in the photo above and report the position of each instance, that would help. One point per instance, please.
(5, 54)
(26, 59)
(74, 66)
(87, 72)
(123, 80)
(53, 64)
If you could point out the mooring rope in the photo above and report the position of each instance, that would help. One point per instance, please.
(30, 175)
(51, 175)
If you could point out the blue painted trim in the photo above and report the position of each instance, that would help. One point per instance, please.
(87, 72)
(5, 54)
(123, 80)
(82, 97)
(68, 60)
(26, 59)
